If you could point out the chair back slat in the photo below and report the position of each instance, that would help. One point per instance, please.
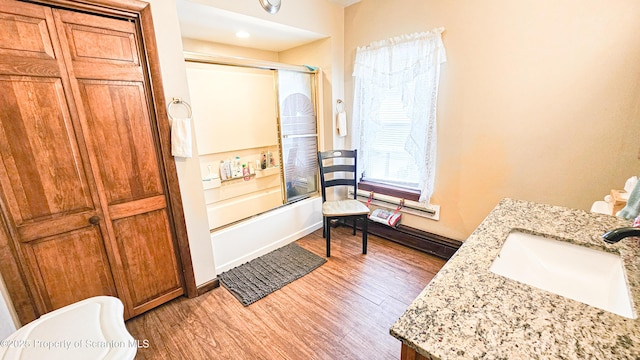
(342, 162)
(338, 182)
(339, 168)
(330, 154)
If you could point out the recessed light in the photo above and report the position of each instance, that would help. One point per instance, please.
(242, 34)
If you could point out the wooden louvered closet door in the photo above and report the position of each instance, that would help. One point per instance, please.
(83, 196)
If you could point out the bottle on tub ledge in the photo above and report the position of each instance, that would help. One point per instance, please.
(237, 167)
(264, 161)
(227, 168)
(223, 170)
(272, 162)
(246, 172)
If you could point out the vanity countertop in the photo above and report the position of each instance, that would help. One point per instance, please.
(468, 312)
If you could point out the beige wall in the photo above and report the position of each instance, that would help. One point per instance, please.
(539, 100)
(206, 47)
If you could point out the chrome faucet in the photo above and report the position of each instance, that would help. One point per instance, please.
(615, 235)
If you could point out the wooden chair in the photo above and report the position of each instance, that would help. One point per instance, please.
(341, 173)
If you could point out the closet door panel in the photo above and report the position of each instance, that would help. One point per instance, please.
(84, 205)
(49, 201)
(119, 130)
(143, 237)
(25, 33)
(70, 267)
(25, 45)
(42, 174)
(103, 57)
(100, 47)
(120, 138)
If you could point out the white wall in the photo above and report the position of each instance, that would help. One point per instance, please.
(174, 79)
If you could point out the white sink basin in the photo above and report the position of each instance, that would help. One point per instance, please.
(593, 277)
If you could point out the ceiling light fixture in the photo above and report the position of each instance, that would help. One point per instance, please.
(271, 6)
(242, 34)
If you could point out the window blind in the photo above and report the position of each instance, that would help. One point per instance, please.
(387, 161)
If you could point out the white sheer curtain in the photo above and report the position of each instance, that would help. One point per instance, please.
(410, 64)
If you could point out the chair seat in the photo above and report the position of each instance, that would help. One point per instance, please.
(345, 207)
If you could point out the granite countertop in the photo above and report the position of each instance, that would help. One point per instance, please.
(468, 312)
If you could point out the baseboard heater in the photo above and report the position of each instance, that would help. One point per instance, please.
(424, 241)
(434, 244)
(391, 202)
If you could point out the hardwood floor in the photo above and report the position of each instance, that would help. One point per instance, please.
(342, 310)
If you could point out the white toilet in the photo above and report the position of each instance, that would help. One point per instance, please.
(89, 329)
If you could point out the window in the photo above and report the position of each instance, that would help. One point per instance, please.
(395, 97)
(387, 161)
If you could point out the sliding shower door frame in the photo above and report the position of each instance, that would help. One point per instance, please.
(316, 76)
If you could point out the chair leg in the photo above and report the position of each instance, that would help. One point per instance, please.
(354, 225)
(328, 239)
(365, 226)
(324, 227)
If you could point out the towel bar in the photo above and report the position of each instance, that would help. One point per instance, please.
(180, 102)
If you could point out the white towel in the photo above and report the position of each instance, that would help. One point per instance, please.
(181, 137)
(342, 123)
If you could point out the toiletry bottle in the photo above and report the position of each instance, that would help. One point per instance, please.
(232, 168)
(245, 172)
(264, 161)
(227, 168)
(223, 170)
(238, 167)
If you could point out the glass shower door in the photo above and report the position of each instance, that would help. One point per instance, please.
(298, 133)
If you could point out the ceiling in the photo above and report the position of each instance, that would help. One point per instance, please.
(208, 23)
(344, 3)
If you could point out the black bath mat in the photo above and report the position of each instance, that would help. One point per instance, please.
(259, 277)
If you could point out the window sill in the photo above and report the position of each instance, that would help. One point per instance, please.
(389, 190)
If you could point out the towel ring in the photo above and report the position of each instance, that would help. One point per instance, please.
(339, 105)
(179, 101)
